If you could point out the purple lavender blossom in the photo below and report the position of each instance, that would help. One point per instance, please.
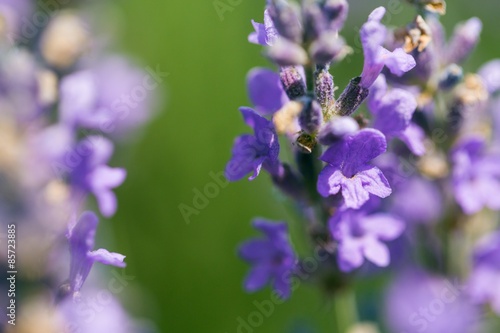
(485, 277)
(265, 34)
(13, 12)
(81, 243)
(373, 34)
(265, 90)
(361, 234)
(427, 209)
(92, 175)
(113, 96)
(252, 152)
(393, 110)
(464, 40)
(272, 258)
(349, 169)
(476, 176)
(490, 73)
(418, 302)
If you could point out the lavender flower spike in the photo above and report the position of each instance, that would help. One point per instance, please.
(361, 234)
(373, 34)
(272, 258)
(81, 243)
(476, 176)
(349, 170)
(252, 152)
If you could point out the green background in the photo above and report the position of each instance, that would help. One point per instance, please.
(188, 277)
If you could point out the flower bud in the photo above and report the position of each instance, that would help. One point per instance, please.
(286, 53)
(324, 89)
(286, 18)
(464, 40)
(327, 48)
(351, 98)
(292, 81)
(311, 116)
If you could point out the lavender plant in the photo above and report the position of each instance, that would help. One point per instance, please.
(65, 101)
(397, 174)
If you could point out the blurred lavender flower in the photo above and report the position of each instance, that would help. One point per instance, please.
(265, 90)
(272, 258)
(486, 272)
(92, 175)
(360, 234)
(476, 176)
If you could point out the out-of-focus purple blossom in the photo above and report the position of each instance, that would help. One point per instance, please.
(476, 176)
(490, 73)
(91, 174)
(393, 110)
(16, 13)
(272, 258)
(485, 277)
(373, 35)
(81, 244)
(266, 91)
(464, 40)
(418, 302)
(349, 169)
(287, 53)
(265, 34)
(252, 152)
(427, 209)
(361, 234)
(113, 96)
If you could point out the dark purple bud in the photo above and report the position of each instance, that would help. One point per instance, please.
(336, 12)
(464, 40)
(286, 18)
(329, 47)
(324, 89)
(314, 20)
(286, 53)
(336, 128)
(292, 81)
(351, 98)
(311, 116)
(450, 77)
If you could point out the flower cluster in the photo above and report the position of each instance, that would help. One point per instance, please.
(400, 169)
(64, 103)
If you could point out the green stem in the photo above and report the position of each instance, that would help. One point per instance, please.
(345, 309)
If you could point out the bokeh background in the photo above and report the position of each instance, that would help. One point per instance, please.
(187, 275)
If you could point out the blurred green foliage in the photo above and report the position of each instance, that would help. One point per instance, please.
(190, 276)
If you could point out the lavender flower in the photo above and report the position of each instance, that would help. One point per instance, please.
(92, 175)
(81, 243)
(393, 110)
(486, 272)
(476, 176)
(265, 34)
(360, 234)
(272, 258)
(252, 152)
(266, 91)
(349, 170)
(373, 35)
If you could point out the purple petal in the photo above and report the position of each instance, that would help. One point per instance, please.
(376, 252)
(265, 90)
(107, 258)
(394, 112)
(349, 256)
(256, 250)
(490, 73)
(374, 182)
(383, 226)
(398, 61)
(329, 181)
(355, 195)
(259, 36)
(414, 137)
(257, 278)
